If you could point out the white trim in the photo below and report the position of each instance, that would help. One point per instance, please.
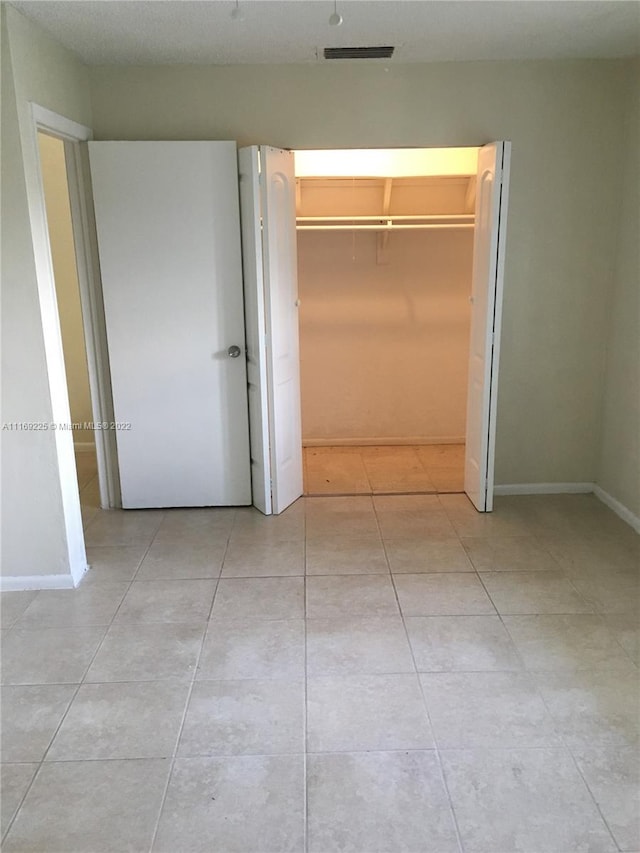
(60, 125)
(619, 508)
(73, 134)
(544, 489)
(90, 286)
(381, 441)
(59, 395)
(16, 583)
(496, 321)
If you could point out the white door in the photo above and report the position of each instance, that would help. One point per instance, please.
(267, 181)
(168, 229)
(486, 312)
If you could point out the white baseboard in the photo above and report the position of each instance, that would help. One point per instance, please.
(544, 489)
(617, 507)
(84, 446)
(383, 441)
(16, 583)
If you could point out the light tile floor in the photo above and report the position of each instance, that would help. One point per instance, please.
(362, 674)
(434, 468)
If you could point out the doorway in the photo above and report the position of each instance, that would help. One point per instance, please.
(63, 256)
(62, 215)
(385, 261)
(269, 202)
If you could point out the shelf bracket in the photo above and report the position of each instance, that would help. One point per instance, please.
(470, 197)
(298, 195)
(382, 242)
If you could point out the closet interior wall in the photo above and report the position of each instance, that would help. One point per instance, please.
(384, 314)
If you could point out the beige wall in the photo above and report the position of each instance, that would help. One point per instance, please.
(34, 539)
(565, 122)
(384, 347)
(619, 473)
(54, 176)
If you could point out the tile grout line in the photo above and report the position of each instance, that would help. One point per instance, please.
(146, 553)
(366, 472)
(162, 514)
(174, 756)
(126, 545)
(534, 684)
(561, 571)
(117, 610)
(76, 691)
(262, 754)
(602, 616)
(372, 491)
(53, 737)
(305, 722)
(185, 710)
(424, 702)
(563, 746)
(567, 748)
(83, 682)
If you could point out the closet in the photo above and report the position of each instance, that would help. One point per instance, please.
(384, 278)
(399, 301)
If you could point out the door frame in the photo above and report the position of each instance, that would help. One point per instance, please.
(74, 136)
(495, 321)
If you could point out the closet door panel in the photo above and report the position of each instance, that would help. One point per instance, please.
(277, 181)
(486, 311)
(267, 187)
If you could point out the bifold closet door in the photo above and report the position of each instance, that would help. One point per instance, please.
(267, 184)
(167, 219)
(492, 194)
(256, 327)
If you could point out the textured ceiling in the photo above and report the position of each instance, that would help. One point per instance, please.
(137, 32)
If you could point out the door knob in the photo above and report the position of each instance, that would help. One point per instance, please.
(234, 352)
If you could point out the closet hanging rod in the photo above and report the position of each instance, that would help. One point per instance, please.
(419, 217)
(420, 227)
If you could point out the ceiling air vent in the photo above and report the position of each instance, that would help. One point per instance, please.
(385, 52)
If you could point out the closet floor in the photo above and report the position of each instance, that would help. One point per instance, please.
(380, 470)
